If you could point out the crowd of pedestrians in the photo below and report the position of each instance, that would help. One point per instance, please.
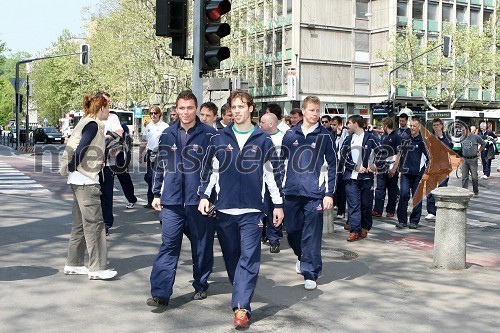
(242, 182)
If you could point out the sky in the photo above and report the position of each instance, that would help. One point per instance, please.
(34, 25)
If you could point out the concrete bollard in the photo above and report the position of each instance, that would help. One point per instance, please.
(328, 219)
(450, 230)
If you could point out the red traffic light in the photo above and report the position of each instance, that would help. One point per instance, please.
(216, 8)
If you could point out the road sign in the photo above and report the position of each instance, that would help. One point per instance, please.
(13, 81)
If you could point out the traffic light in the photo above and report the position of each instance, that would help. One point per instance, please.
(172, 21)
(447, 46)
(213, 32)
(84, 54)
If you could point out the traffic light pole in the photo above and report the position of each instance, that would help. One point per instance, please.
(197, 50)
(17, 89)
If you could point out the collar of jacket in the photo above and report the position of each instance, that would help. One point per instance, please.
(228, 130)
(298, 128)
(198, 127)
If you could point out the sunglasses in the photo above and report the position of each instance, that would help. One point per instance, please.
(325, 122)
(152, 113)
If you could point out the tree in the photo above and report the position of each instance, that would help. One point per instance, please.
(439, 80)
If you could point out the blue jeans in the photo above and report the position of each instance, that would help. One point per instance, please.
(409, 183)
(432, 182)
(486, 163)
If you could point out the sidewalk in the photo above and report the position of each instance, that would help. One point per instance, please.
(366, 286)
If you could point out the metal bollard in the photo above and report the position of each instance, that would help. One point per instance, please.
(450, 230)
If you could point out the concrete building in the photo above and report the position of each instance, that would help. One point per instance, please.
(330, 48)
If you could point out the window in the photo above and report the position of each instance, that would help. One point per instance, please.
(278, 41)
(278, 74)
(269, 43)
(418, 10)
(447, 13)
(474, 17)
(486, 17)
(362, 42)
(361, 81)
(289, 6)
(403, 8)
(461, 14)
(432, 12)
(269, 76)
(361, 9)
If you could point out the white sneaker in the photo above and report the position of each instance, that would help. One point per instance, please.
(340, 217)
(130, 205)
(76, 270)
(430, 217)
(102, 275)
(310, 285)
(297, 267)
(485, 177)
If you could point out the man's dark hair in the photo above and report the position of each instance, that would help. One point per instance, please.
(338, 119)
(404, 116)
(241, 94)
(211, 106)
(223, 109)
(357, 119)
(437, 120)
(275, 109)
(327, 117)
(296, 111)
(186, 95)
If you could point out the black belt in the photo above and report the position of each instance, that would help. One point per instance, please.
(469, 157)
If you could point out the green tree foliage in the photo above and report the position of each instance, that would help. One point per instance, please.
(440, 80)
(59, 84)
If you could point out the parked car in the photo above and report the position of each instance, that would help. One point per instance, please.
(47, 135)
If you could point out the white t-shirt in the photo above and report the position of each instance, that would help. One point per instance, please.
(356, 147)
(112, 124)
(152, 133)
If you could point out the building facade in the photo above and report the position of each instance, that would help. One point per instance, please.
(333, 48)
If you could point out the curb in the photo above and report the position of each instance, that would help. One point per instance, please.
(26, 149)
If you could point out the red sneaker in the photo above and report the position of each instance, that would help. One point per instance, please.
(389, 215)
(241, 319)
(376, 214)
(352, 237)
(364, 233)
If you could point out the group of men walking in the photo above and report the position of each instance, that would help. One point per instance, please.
(242, 181)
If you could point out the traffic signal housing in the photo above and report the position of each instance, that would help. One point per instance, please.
(447, 46)
(84, 54)
(212, 32)
(172, 21)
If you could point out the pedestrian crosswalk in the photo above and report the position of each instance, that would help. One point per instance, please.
(12, 181)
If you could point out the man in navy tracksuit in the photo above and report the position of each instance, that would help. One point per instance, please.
(175, 188)
(360, 157)
(412, 164)
(240, 162)
(387, 180)
(309, 188)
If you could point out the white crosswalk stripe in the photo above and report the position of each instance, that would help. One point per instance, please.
(13, 181)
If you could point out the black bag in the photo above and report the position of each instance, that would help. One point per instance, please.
(119, 149)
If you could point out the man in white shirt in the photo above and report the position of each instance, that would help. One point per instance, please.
(150, 139)
(106, 176)
(276, 110)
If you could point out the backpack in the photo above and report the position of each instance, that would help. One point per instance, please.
(118, 152)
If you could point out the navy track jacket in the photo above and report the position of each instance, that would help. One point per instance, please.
(177, 171)
(371, 145)
(240, 174)
(414, 156)
(306, 157)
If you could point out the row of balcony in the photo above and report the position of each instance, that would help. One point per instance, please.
(477, 2)
(473, 94)
(267, 91)
(432, 26)
(268, 58)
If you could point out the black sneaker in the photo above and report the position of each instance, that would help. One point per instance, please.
(156, 302)
(263, 240)
(275, 248)
(148, 206)
(412, 226)
(107, 232)
(199, 295)
(401, 225)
